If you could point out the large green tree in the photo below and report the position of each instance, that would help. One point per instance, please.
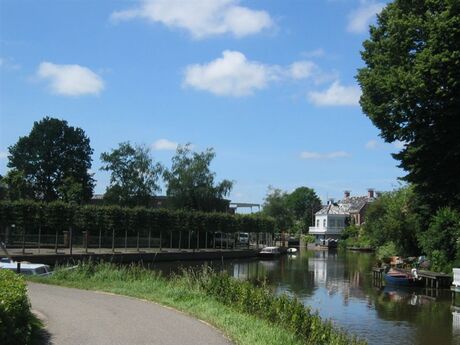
(52, 153)
(303, 203)
(276, 206)
(191, 184)
(411, 92)
(134, 175)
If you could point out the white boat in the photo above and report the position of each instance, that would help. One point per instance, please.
(292, 250)
(270, 252)
(25, 267)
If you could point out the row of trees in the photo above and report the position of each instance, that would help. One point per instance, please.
(53, 163)
(58, 216)
(293, 212)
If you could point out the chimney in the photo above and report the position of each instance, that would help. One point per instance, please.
(346, 194)
(370, 193)
(330, 201)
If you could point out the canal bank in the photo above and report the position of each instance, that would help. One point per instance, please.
(135, 256)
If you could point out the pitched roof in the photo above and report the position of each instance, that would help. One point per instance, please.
(355, 203)
(333, 209)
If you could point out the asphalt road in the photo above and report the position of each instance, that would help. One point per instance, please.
(79, 317)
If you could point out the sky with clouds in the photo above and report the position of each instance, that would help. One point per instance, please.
(270, 85)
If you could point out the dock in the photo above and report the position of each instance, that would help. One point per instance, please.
(433, 280)
(64, 257)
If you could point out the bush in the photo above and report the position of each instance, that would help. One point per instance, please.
(15, 315)
(386, 251)
(308, 238)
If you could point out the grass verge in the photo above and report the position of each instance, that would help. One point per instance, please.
(213, 298)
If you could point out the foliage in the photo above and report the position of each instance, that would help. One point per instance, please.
(59, 216)
(190, 182)
(441, 241)
(303, 203)
(411, 92)
(15, 186)
(134, 176)
(308, 238)
(15, 315)
(275, 206)
(292, 211)
(51, 154)
(395, 217)
(354, 236)
(387, 250)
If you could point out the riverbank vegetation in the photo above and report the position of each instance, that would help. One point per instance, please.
(248, 314)
(16, 320)
(399, 223)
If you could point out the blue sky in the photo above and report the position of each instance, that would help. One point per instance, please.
(268, 84)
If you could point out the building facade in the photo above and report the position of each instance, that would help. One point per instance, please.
(334, 217)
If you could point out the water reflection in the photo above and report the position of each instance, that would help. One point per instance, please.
(339, 285)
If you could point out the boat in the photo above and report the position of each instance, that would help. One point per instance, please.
(400, 278)
(25, 268)
(291, 251)
(270, 252)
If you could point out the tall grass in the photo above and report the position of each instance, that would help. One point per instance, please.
(259, 316)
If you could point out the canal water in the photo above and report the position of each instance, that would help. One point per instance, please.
(339, 285)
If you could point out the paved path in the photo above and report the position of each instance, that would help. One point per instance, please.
(79, 317)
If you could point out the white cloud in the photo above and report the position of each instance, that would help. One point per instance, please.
(371, 144)
(234, 75)
(314, 53)
(3, 154)
(327, 155)
(70, 80)
(201, 18)
(336, 95)
(230, 75)
(359, 19)
(302, 69)
(164, 145)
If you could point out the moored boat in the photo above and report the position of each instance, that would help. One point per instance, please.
(400, 278)
(25, 268)
(270, 252)
(291, 251)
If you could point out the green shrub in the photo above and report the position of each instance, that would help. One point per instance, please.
(308, 238)
(387, 250)
(15, 315)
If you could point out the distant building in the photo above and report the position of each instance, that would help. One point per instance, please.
(334, 217)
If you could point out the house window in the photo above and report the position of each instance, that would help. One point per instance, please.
(324, 223)
(317, 223)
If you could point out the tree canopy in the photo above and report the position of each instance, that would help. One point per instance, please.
(411, 92)
(134, 175)
(53, 154)
(291, 211)
(190, 182)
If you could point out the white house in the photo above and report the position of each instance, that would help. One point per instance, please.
(329, 222)
(334, 217)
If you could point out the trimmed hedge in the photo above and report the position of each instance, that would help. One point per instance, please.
(15, 315)
(59, 216)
